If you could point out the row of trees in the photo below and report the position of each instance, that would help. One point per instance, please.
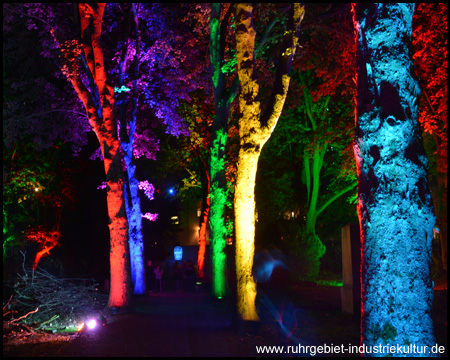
(136, 65)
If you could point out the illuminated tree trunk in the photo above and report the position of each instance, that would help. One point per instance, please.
(105, 127)
(254, 130)
(132, 200)
(219, 191)
(394, 201)
(314, 247)
(134, 215)
(202, 231)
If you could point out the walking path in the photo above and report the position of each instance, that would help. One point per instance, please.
(170, 324)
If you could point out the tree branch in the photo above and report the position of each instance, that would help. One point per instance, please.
(336, 196)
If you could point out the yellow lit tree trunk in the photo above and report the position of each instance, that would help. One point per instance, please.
(254, 130)
(244, 207)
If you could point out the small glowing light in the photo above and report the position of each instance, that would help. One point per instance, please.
(171, 191)
(91, 324)
(80, 327)
(178, 253)
(219, 297)
(36, 189)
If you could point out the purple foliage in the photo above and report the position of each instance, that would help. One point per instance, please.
(150, 216)
(145, 144)
(170, 66)
(102, 186)
(148, 188)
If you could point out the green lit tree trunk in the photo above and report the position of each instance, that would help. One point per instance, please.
(394, 201)
(313, 249)
(313, 188)
(312, 245)
(254, 131)
(219, 191)
(105, 127)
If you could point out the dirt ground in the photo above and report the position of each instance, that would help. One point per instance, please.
(194, 324)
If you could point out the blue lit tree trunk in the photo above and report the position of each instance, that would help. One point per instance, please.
(132, 200)
(218, 191)
(394, 201)
(134, 214)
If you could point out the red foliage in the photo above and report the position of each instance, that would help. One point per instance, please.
(47, 240)
(430, 61)
(328, 48)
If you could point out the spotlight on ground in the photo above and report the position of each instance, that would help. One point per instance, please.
(91, 324)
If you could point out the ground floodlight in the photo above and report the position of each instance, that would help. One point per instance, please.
(91, 324)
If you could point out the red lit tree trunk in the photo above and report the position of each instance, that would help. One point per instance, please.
(105, 127)
(203, 226)
(254, 131)
(394, 201)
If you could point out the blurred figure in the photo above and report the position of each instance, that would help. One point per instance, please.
(263, 266)
(158, 276)
(272, 279)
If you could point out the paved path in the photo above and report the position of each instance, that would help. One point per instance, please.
(167, 325)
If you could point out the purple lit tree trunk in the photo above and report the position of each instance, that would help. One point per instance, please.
(394, 201)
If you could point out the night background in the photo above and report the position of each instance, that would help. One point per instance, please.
(204, 147)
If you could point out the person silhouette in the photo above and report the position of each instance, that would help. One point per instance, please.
(158, 276)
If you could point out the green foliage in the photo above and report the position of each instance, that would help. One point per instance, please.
(10, 237)
(35, 184)
(306, 247)
(230, 66)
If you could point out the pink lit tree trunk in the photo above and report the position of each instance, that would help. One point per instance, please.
(105, 127)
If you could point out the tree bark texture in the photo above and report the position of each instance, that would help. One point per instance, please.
(394, 202)
(255, 129)
(128, 128)
(105, 127)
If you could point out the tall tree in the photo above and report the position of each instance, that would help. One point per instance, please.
(254, 130)
(148, 93)
(128, 123)
(394, 201)
(105, 127)
(195, 151)
(318, 117)
(223, 97)
(152, 74)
